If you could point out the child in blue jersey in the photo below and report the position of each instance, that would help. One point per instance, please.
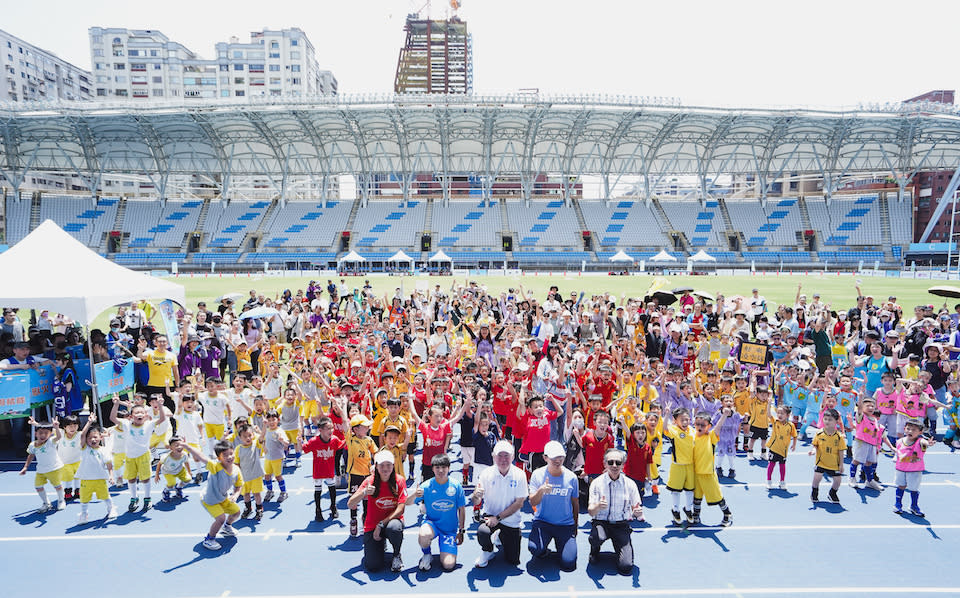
(951, 414)
(815, 393)
(445, 503)
(793, 394)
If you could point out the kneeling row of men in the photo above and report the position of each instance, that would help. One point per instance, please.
(553, 492)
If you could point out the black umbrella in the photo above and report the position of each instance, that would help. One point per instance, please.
(680, 290)
(662, 297)
(945, 291)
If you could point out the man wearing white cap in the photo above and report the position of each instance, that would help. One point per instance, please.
(502, 489)
(555, 493)
(614, 503)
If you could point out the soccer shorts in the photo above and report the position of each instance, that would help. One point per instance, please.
(758, 433)
(254, 486)
(681, 477)
(54, 477)
(214, 431)
(446, 542)
(466, 453)
(69, 471)
(119, 460)
(908, 479)
(89, 488)
(708, 486)
(227, 507)
(171, 478)
(273, 467)
(137, 468)
(864, 452)
(158, 440)
(292, 435)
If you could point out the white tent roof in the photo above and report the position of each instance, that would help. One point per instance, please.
(51, 270)
(440, 256)
(663, 256)
(400, 256)
(621, 256)
(702, 256)
(352, 257)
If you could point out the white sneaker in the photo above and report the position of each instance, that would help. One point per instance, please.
(484, 558)
(425, 562)
(228, 530)
(111, 514)
(783, 485)
(210, 544)
(61, 505)
(874, 485)
(955, 444)
(769, 484)
(853, 482)
(84, 518)
(396, 565)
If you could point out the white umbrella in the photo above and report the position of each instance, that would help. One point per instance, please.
(400, 256)
(663, 256)
(620, 256)
(440, 256)
(259, 312)
(702, 256)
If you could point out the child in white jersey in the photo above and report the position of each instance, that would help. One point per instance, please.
(95, 468)
(189, 424)
(139, 429)
(49, 465)
(69, 448)
(174, 467)
(216, 412)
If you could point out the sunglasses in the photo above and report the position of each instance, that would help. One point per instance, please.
(614, 462)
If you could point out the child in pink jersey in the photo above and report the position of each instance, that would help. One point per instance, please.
(869, 435)
(910, 450)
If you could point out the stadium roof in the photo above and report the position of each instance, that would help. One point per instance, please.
(486, 135)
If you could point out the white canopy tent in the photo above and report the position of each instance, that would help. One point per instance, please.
(351, 258)
(702, 256)
(439, 256)
(663, 256)
(621, 256)
(400, 256)
(51, 270)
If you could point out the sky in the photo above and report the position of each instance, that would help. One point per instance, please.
(736, 53)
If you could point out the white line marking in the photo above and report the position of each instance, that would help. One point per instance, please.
(413, 531)
(641, 592)
(269, 533)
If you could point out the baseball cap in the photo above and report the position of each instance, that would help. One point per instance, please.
(383, 457)
(553, 449)
(503, 446)
(360, 420)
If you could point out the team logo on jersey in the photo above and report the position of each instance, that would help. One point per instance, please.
(386, 502)
(442, 505)
(451, 490)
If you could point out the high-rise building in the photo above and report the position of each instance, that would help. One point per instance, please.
(437, 57)
(144, 63)
(32, 73)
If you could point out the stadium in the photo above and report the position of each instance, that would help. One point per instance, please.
(495, 182)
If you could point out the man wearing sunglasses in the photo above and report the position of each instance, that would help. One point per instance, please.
(614, 503)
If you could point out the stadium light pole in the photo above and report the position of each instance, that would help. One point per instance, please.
(953, 215)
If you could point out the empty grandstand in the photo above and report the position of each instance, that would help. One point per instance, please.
(505, 181)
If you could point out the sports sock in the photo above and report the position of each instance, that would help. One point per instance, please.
(109, 504)
(269, 484)
(60, 494)
(914, 499)
(689, 496)
(353, 514)
(332, 491)
(853, 470)
(146, 488)
(84, 507)
(426, 550)
(43, 495)
(769, 470)
(697, 504)
(783, 470)
(676, 500)
(283, 485)
(899, 501)
(723, 506)
(133, 488)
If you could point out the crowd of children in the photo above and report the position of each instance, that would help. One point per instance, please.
(361, 384)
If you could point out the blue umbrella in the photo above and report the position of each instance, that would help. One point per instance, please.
(259, 312)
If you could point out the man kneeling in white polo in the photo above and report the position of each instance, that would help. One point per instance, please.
(502, 489)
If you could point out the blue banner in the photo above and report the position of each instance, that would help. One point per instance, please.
(26, 389)
(110, 381)
(168, 315)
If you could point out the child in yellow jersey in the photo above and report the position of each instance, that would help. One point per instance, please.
(654, 425)
(646, 393)
(706, 485)
(627, 415)
(759, 419)
(392, 436)
(783, 439)
(912, 370)
(244, 361)
(681, 478)
(390, 416)
(829, 445)
(360, 450)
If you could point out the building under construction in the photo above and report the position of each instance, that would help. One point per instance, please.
(436, 58)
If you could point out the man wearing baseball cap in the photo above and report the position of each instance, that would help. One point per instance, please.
(502, 489)
(555, 493)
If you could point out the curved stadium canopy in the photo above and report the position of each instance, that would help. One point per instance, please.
(485, 135)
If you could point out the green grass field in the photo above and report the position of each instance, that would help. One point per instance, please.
(836, 289)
